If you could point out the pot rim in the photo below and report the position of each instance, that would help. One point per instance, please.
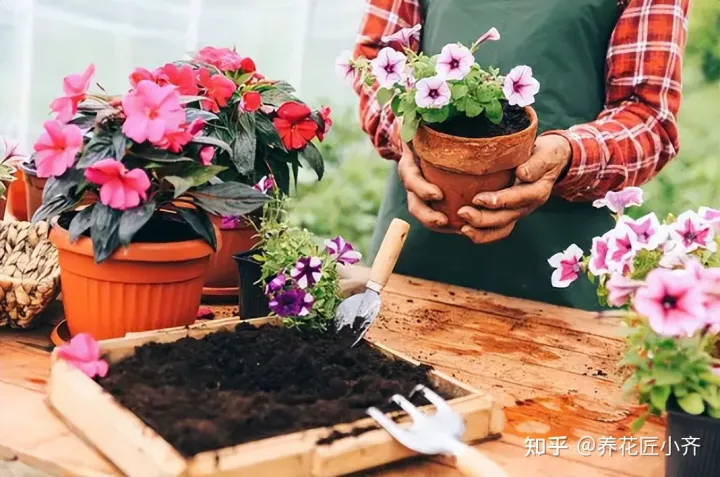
(475, 140)
(136, 251)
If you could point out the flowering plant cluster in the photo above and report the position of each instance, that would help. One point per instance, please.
(433, 89)
(9, 159)
(666, 277)
(300, 275)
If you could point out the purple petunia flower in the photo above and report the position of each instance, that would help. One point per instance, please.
(265, 184)
(229, 222)
(307, 271)
(342, 251)
(276, 284)
(294, 302)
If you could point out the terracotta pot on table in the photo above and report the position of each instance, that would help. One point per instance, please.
(463, 167)
(34, 187)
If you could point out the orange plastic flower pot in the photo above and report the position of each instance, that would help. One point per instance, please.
(143, 287)
(34, 186)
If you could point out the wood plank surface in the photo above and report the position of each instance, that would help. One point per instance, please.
(553, 369)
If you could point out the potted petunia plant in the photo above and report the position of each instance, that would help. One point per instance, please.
(256, 128)
(666, 278)
(469, 126)
(134, 255)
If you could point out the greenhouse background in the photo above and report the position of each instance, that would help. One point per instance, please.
(297, 40)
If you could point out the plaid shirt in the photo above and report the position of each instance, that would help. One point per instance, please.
(634, 136)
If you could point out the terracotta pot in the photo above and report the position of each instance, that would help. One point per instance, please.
(145, 286)
(463, 167)
(16, 198)
(34, 186)
(221, 279)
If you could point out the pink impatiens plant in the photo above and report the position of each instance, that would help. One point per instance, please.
(424, 89)
(666, 278)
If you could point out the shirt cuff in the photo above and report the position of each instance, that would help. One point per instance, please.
(572, 182)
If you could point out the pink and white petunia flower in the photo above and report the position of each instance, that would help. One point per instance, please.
(520, 87)
(622, 248)
(404, 36)
(692, 232)
(342, 251)
(83, 353)
(649, 232)
(265, 184)
(432, 93)
(598, 255)
(618, 201)
(454, 62)
(567, 266)
(674, 255)
(344, 66)
(620, 289)
(709, 283)
(491, 35)
(307, 271)
(389, 67)
(711, 216)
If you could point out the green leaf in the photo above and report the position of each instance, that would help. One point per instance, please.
(659, 396)
(98, 148)
(469, 106)
(383, 96)
(84, 121)
(276, 96)
(180, 185)
(665, 376)
(407, 132)
(53, 207)
(284, 86)
(458, 90)
(435, 115)
(212, 141)
(314, 159)
(692, 404)
(192, 114)
(245, 144)
(120, 145)
(680, 391)
(638, 423)
(200, 223)
(80, 223)
(395, 105)
(494, 111)
(485, 93)
(193, 176)
(133, 220)
(229, 198)
(104, 231)
(158, 155)
(65, 185)
(713, 412)
(267, 133)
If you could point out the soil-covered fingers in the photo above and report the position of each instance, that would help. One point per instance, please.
(480, 236)
(516, 197)
(413, 180)
(491, 219)
(430, 218)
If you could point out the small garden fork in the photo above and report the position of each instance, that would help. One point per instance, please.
(437, 434)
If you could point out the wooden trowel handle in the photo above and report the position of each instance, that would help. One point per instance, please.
(389, 252)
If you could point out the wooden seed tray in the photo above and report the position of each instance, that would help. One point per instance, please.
(138, 451)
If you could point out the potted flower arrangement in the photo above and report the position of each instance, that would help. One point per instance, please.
(8, 167)
(135, 257)
(255, 128)
(666, 277)
(470, 127)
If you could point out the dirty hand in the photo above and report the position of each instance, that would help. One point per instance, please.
(419, 192)
(495, 213)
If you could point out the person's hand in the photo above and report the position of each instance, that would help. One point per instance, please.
(497, 212)
(419, 192)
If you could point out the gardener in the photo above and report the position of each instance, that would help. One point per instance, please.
(611, 86)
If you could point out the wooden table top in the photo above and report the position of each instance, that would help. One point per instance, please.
(553, 369)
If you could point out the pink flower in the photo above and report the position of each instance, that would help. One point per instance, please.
(617, 202)
(598, 255)
(229, 222)
(223, 59)
(174, 141)
(709, 284)
(432, 93)
(217, 88)
(691, 232)
(265, 184)
(567, 266)
(520, 87)
(342, 251)
(620, 289)
(672, 302)
(74, 87)
(151, 112)
(711, 216)
(206, 155)
(56, 148)
(491, 35)
(142, 74)
(327, 122)
(83, 352)
(674, 255)
(182, 77)
(621, 249)
(389, 67)
(344, 66)
(454, 62)
(404, 36)
(648, 232)
(120, 188)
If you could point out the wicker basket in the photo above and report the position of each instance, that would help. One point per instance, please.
(29, 272)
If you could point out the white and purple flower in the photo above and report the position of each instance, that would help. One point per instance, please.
(649, 232)
(692, 232)
(307, 271)
(711, 216)
(598, 255)
(389, 67)
(404, 36)
(432, 93)
(276, 284)
(454, 62)
(620, 289)
(292, 303)
(344, 66)
(342, 251)
(265, 184)
(567, 266)
(491, 35)
(621, 249)
(520, 87)
(617, 202)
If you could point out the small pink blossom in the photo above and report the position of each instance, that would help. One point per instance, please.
(344, 66)
(223, 59)
(598, 255)
(620, 289)
(567, 266)
(342, 251)
(143, 74)
(491, 35)
(621, 249)
(206, 155)
(692, 232)
(672, 302)
(389, 67)
(56, 148)
(404, 36)
(711, 216)
(454, 62)
(520, 87)
(265, 184)
(120, 189)
(174, 141)
(74, 88)
(230, 222)
(617, 202)
(432, 93)
(83, 353)
(152, 111)
(648, 232)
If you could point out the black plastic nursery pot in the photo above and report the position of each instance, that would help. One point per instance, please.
(685, 432)
(252, 300)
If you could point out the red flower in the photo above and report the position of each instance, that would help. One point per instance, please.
(182, 77)
(325, 114)
(217, 88)
(247, 65)
(141, 74)
(251, 101)
(294, 125)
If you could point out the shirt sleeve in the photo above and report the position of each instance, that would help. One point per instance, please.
(382, 17)
(636, 134)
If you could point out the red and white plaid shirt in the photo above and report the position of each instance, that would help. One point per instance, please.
(635, 135)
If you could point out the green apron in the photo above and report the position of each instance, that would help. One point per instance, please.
(565, 42)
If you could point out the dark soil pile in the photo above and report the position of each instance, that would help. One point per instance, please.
(235, 387)
(514, 120)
